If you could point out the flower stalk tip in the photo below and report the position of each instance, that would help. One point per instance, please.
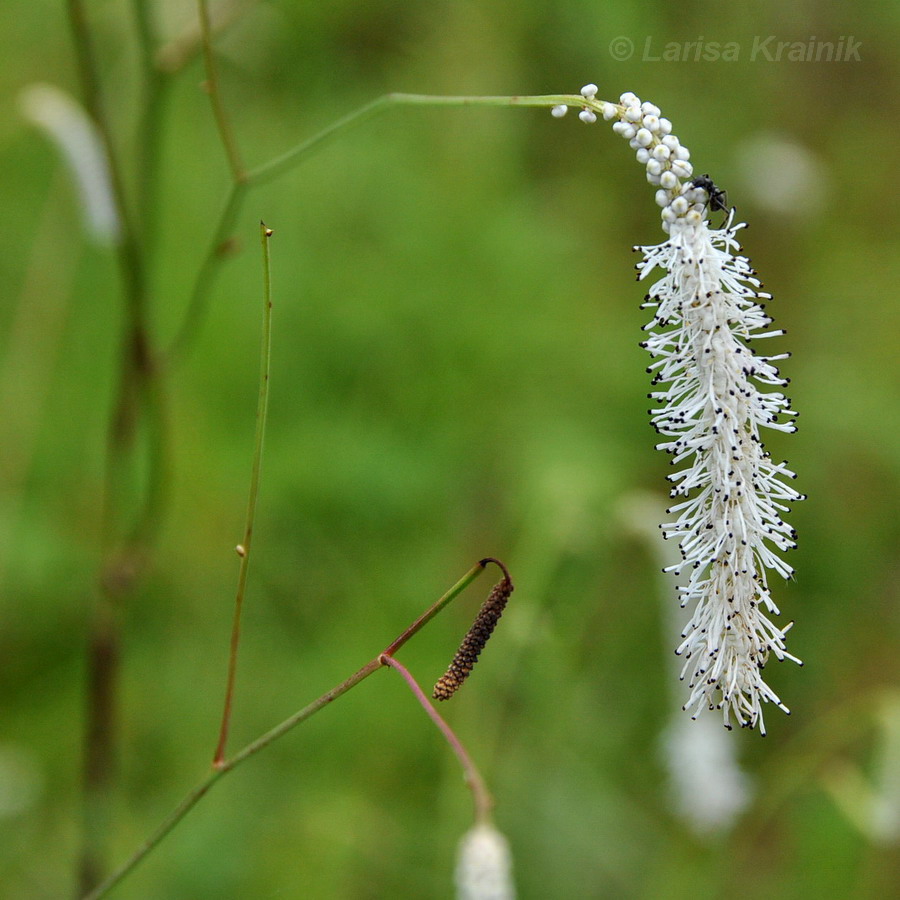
(475, 640)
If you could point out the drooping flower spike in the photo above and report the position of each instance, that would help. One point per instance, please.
(711, 401)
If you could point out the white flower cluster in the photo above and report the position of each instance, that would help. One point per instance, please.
(708, 788)
(666, 160)
(709, 308)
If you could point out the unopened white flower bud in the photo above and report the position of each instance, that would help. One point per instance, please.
(484, 866)
(668, 180)
(694, 217)
(680, 206)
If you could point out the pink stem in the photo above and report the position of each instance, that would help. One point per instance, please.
(483, 800)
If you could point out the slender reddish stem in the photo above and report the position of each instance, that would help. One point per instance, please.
(480, 794)
(244, 548)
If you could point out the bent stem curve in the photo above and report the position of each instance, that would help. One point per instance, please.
(482, 798)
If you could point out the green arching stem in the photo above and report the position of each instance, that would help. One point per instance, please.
(262, 406)
(295, 155)
(364, 672)
(227, 765)
(285, 162)
(432, 611)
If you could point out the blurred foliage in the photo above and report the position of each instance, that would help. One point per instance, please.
(456, 374)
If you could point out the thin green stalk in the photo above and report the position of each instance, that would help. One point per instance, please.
(212, 87)
(295, 155)
(285, 162)
(432, 611)
(122, 549)
(181, 48)
(228, 765)
(206, 276)
(150, 123)
(265, 358)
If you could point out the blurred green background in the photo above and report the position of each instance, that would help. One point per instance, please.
(456, 374)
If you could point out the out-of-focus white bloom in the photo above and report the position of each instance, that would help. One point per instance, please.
(782, 175)
(484, 866)
(872, 801)
(707, 786)
(73, 132)
(886, 804)
(709, 789)
(710, 408)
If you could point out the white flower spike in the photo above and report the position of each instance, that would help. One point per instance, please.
(709, 407)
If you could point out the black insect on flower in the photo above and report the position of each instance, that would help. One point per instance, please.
(718, 199)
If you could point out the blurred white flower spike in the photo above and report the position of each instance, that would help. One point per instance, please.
(69, 126)
(710, 407)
